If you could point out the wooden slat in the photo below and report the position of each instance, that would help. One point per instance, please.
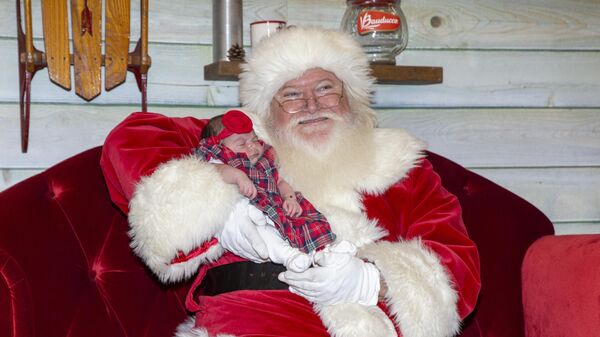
(259, 10)
(501, 79)
(407, 75)
(474, 138)
(568, 228)
(222, 71)
(117, 42)
(10, 177)
(471, 79)
(464, 24)
(384, 73)
(489, 24)
(56, 41)
(87, 49)
(568, 194)
(60, 131)
(505, 137)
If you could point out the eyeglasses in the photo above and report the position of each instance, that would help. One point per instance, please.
(293, 106)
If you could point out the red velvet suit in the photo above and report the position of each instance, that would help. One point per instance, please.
(414, 235)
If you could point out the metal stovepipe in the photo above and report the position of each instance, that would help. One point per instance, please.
(228, 27)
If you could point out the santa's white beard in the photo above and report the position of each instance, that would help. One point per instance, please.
(322, 166)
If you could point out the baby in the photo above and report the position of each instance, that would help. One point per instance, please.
(242, 159)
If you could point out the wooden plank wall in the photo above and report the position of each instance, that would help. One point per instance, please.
(520, 102)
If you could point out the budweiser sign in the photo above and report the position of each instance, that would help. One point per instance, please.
(377, 21)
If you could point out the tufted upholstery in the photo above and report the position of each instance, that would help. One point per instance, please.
(503, 226)
(65, 264)
(67, 270)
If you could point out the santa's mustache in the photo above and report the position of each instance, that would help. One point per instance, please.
(296, 120)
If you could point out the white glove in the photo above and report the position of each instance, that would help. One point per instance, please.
(336, 278)
(240, 235)
(281, 252)
(343, 246)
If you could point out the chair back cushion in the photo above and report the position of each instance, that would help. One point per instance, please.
(503, 226)
(66, 266)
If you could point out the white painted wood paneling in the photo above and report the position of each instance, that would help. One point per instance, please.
(471, 78)
(569, 228)
(13, 176)
(176, 77)
(492, 24)
(565, 195)
(475, 138)
(520, 101)
(465, 24)
(60, 131)
(505, 137)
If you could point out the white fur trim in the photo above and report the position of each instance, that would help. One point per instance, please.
(177, 208)
(420, 294)
(396, 152)
(354, 320)
(187, 329)
(289, 53)
(353, 226)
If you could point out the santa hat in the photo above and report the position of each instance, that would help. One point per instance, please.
(286, 55)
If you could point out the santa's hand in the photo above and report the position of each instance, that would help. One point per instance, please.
(343, 246)
(280, 251)
(240, 235)
(337, 278)
(258, 217)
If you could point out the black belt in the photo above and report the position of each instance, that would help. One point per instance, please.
(245, 275)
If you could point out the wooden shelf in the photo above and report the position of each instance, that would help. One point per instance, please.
(385, 73)
(222, 71)
(413, 75)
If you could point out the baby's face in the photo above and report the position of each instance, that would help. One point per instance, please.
(246, 143)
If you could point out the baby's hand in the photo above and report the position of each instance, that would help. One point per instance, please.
(246, 186)
(292, 207)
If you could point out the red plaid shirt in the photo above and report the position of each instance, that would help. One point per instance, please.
(308, 232)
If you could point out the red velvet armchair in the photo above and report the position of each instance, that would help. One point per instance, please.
(67, 269)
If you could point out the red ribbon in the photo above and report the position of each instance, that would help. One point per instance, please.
(234, 122)
(86, 20)
(183, 257)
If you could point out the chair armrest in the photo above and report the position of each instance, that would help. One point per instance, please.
(561, 286)
(16, 308)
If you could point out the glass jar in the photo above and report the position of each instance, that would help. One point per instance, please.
(379, 26)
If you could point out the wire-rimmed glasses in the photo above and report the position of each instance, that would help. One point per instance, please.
(329, 100)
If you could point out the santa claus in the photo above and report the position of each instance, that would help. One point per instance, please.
(307, 90)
